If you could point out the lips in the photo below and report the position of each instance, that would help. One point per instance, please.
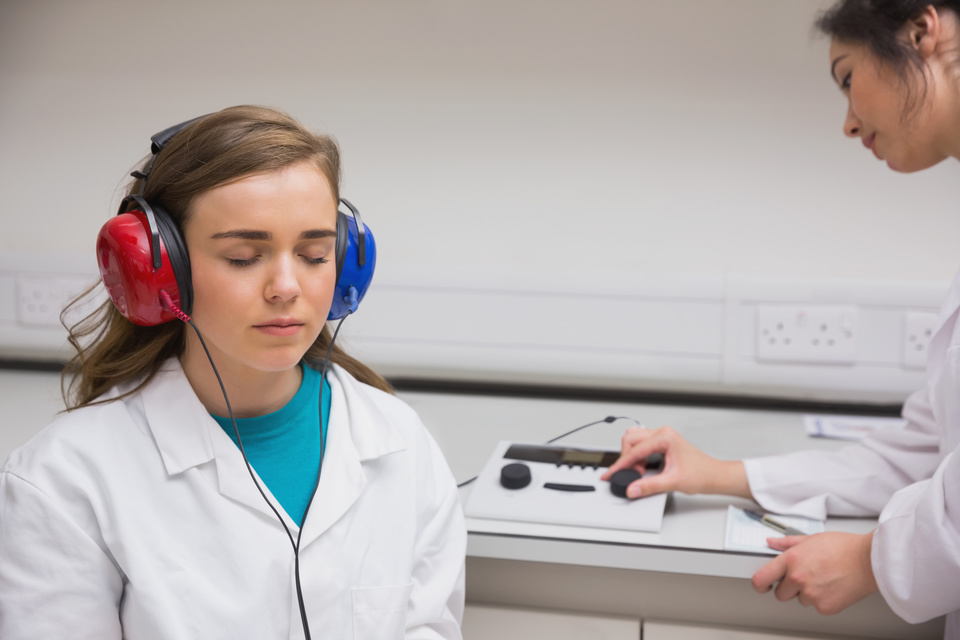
(870, 143)
(279, 327)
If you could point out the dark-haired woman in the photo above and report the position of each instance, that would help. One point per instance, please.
(135, 514)
(898, 64)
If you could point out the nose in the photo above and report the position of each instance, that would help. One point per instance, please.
(852, 125)
(283, 284)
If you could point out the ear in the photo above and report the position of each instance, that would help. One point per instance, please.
(924, 32)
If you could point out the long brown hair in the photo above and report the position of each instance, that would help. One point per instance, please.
(215, 150)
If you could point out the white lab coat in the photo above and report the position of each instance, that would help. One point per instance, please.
(138, 519)
(911, 478)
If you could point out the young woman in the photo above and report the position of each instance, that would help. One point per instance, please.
(136, 514)
(898, 64)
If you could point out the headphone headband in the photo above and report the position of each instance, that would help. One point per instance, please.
(361, 232)
(160, 139)
(144, 206)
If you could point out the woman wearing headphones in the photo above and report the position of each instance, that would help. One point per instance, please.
(898, 64)
(209, 480)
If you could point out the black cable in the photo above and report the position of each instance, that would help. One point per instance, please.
(237, 432)
(323, 441)
(608, 420)
(323, 446)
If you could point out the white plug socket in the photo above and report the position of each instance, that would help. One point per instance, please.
(41, 298)
(918, 329)
(807, 333)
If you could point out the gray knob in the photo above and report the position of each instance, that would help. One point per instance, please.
(621, 480)
(515, 476)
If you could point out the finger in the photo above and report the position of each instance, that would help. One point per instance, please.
(650, 485)
(625, 461)
(636, 455)
(769, 574)
(629, 440)
(617, 467)
(786, 590)
(784, 543)
(632, 436)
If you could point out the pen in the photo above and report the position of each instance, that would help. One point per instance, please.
(773, 524)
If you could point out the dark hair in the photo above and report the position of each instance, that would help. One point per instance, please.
(215, 150)
(876, 24)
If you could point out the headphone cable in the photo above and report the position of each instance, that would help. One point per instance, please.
(168, 301)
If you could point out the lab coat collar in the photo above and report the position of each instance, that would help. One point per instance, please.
(354, 409)
(358, 432)
(179, 422)
(188, 437)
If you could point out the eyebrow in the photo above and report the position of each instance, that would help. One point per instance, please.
(833, 67)
(249, 234)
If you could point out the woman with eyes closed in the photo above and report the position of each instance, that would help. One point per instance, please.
(284, 504)
(898, 64)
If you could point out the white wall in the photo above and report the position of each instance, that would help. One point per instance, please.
(527, 139)
(650, 137)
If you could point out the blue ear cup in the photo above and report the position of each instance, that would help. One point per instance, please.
(356, 255)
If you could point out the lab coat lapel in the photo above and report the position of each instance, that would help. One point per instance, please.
(188, 437)
(235, 482)
(357, 432)
(176, 419)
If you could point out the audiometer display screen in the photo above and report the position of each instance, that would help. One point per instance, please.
(562, 455)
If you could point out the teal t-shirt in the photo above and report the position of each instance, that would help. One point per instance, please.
(284, 447)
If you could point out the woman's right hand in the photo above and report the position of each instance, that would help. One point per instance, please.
(685, 467)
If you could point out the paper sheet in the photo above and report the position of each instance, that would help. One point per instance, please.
(848, 427)
(746, 534)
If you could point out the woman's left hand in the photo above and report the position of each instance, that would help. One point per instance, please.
(829, 571)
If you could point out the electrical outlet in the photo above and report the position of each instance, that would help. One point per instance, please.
(918, 329)
(807, 333)
(41, 298)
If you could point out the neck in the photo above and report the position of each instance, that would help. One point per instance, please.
(953, 132)
(251, 392)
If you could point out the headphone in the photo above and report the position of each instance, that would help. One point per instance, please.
(142, 254)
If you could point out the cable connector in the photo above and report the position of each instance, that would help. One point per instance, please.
(171, 305)
(352, 299)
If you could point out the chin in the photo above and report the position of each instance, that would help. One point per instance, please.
(912, 165)
(283, 361)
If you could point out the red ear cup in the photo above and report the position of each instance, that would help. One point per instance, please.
(126, 265)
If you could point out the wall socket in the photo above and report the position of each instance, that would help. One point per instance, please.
(41, 298)
(807, 333)
(918, 328)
